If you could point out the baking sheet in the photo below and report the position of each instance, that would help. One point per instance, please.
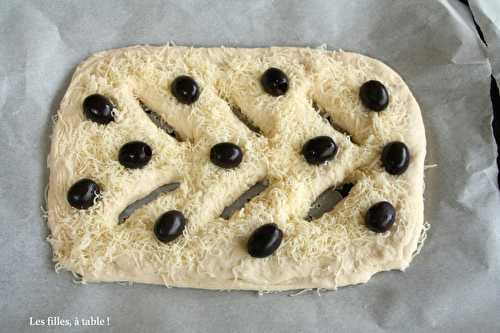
(453, 285)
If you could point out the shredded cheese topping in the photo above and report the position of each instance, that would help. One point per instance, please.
(335, 250)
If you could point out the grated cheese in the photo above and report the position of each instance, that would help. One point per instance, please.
(335, 250)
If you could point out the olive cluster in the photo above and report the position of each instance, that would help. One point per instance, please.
(266, 239)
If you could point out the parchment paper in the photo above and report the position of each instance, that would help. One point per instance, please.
(452, 286)
(487, 15)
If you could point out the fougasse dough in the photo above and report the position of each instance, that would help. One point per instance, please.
(335, 250)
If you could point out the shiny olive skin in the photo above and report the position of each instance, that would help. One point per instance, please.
(226, 155)
(135, 154)
(395, 158)
(274, 82)
(185, 89)
(318, 150)
(98, 108)
(374, 95)
(169, 226)
(82, 194)
(380, 217)
(264, 241)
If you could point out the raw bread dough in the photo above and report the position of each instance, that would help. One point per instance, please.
(334, 250)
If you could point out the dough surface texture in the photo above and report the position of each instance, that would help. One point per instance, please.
(334, 250)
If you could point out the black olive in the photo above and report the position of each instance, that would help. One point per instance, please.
(264, 240)
(380, 217)
(374, 95)
(226, 155)
(82, 194)
(274, 82)
(98, 109)
(319, 150)
(169, 226)
(185, 89)
(134, 154)
(395, 158)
